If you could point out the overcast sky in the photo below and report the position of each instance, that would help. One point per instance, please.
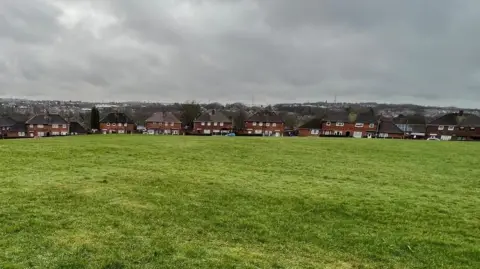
(425, 52)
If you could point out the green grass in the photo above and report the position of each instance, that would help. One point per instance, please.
(220, 202)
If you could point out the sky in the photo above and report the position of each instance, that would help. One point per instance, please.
(260, 51)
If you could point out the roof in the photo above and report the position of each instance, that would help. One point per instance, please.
(389, 127)
(77, 127)
(337, 116)
(447, 119)
(410, 119)
(470, 120)
(266, 116)
(315, 123)
(46, 119)
(116, 117)
(366, 117)
(163, 117)
(7, 122)
(213, 116)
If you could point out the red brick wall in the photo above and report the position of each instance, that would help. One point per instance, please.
(308, 132)
(198, 127)
(47, 129)
(162, 126)
(279, 127)
(365, 129)
(347, 127)
(116, 128)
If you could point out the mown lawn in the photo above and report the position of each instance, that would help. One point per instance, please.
(232, 202)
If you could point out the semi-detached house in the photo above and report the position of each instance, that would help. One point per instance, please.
(47, 125)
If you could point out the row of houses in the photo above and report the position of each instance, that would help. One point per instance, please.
(457, 126)
(357, 124)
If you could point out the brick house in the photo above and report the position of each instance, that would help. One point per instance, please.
(388, 129)
(212, 123)
(313, 127)
(338, 123)
(366, 124)
(265, 123)
(414, 126)
(163, 123)
(47, 125)
(455, 126)
(11, 128)
(117, 123)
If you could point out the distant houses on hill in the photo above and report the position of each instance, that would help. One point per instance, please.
(458, 126)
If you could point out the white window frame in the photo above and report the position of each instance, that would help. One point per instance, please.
(267, 124)
(371, 125)
(359, 125)
(209, 123)
(328, 123)
(21, 133)
(172, 123)
(119, 124)
(40, 126)
(441, 127)
(340, 124)
(108, 123)
(114, 124)
(221, 123)
(54, 125)
(64, 126)
(451, 128)
(31, 126)
(260, 124)
(274, 124)
(254, 123)
(203, 123)
(472, 128)
(215, 123)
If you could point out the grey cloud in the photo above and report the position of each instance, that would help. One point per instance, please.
(275, 50)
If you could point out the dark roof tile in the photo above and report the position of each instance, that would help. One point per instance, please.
(46, 119)
(116, 117)
(213, 116)
(163, 117)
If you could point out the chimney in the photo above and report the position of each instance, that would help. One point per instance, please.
(213, 112)
(460, 113)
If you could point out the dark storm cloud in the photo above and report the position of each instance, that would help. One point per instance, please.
(274, 50)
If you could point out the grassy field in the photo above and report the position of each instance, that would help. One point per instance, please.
(221, 202)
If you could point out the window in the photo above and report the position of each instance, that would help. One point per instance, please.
(21, 134)
(440, 128)
(472, 128)
(215, 124)
(451, 128)
(209, 123)
(221, 123)
(40, 126)
(119, 124)
(54, 125)
(254, 123)
(328, 123)
(267, 124)
(359, 125)
(314, 131)
(260, 124)
(274, 124)
(461, 128)
(371, 125)
(340, 124)
(108, 123)
(64, 126)
(203, 123)
(172, 123)
(114, 124)
(31, 126)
